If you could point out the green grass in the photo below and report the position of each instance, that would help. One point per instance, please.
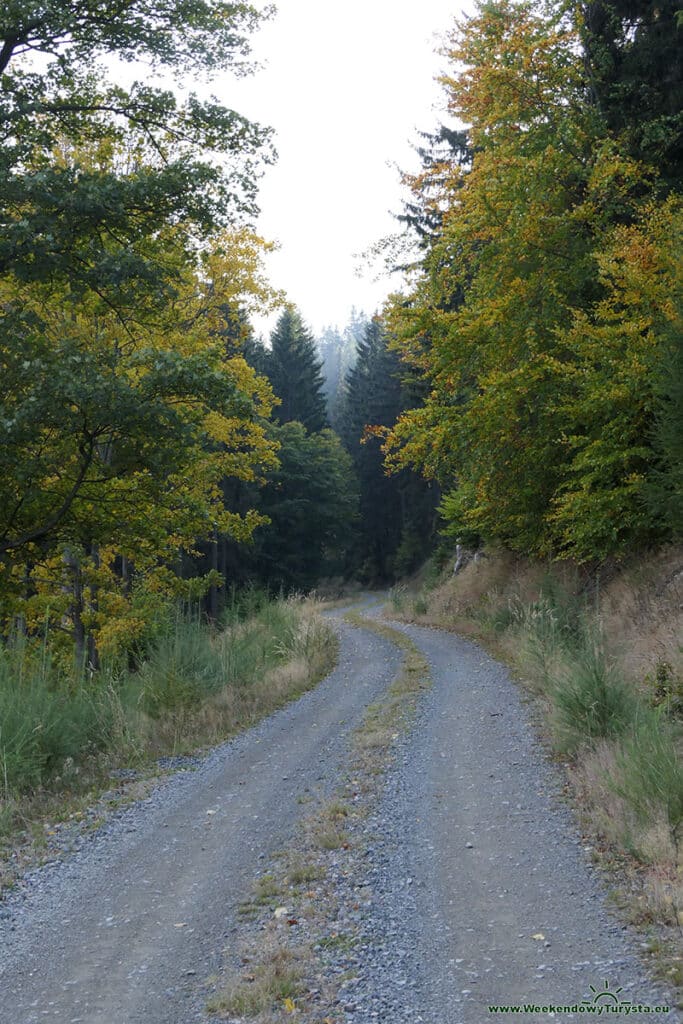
(649, 773)
(300, 872)
(197, 685)
(48, 723)
(591, 702)
(183, 668)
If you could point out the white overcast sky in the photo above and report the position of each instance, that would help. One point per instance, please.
(346, 86)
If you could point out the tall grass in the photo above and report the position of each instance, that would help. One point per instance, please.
(649, 773)
(197, 685)
(182, 669)
(591, 702)
(620, 743)
(621, 734)
(46, 720)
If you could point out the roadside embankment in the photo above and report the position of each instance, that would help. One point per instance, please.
(602, 651)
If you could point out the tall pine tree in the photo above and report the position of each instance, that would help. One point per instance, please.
(634, 64)
(295, 372)
(397, 512)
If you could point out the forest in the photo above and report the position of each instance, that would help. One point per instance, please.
(159, 460)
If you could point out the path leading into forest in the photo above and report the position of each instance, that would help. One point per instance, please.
(486, 888)
(480, 871)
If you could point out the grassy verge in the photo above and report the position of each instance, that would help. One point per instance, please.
(603, 656)
(62, 740)
(297, 949)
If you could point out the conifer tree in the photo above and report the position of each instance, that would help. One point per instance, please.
(634, 64)
(397, 512)
(295, 372)
(311, 502)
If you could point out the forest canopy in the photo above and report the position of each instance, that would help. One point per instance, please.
(546, 319)
(525, 388)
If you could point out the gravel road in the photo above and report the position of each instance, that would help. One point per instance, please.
(481, 891)
(125, 931)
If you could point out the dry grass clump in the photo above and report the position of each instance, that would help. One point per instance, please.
(261, 991)
(641, 613)
(303, 872)
(328, 837)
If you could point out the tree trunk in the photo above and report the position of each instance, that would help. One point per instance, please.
(75, 587)
(93, 653)
(213, 591)
(127, 571)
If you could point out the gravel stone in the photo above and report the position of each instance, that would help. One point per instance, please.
(467, 884)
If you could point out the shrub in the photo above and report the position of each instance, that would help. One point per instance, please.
(591, 702)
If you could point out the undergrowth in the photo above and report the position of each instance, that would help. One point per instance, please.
(614, 706)
(198, 685)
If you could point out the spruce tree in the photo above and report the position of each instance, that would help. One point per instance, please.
(295, 372)
(311, 502)
(634, 65)
(397, 512)
(339, 351)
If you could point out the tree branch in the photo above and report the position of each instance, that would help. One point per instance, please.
(38, 532)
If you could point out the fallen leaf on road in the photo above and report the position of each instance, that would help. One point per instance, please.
(289, 1005)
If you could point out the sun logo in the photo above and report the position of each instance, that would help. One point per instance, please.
(606, 996)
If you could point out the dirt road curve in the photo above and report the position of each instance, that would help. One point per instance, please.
(504, 907)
